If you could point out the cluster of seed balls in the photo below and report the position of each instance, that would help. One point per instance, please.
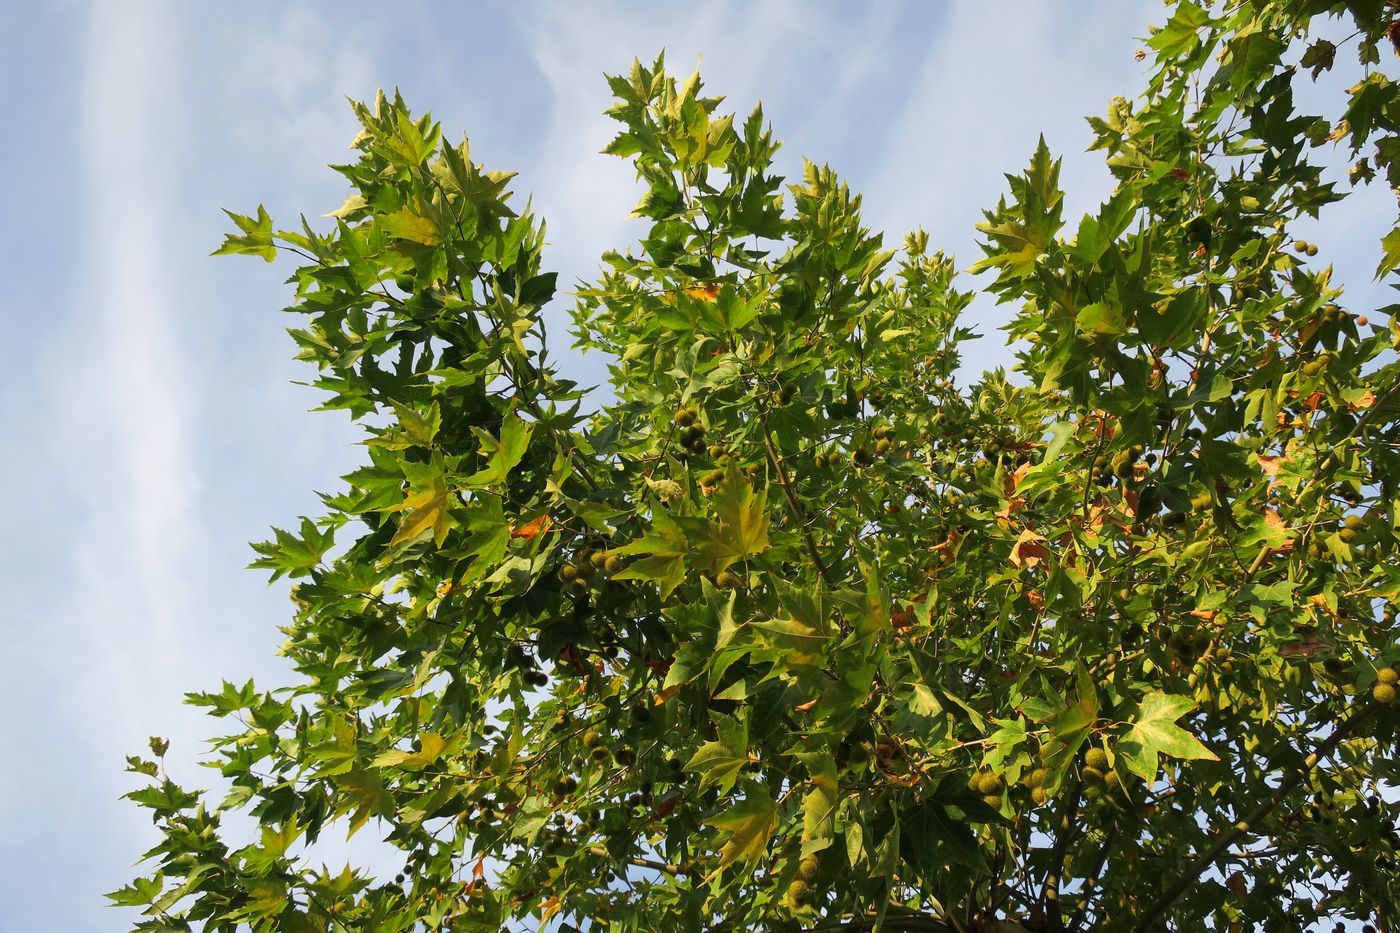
(1384, 690)
(861, 454)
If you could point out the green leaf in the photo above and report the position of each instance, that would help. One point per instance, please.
(1390, 245)
(293, 556)
(666, 548)
(427, 504)
(742, 530)
(749, 823)
(718, 762)
(1180, 34)
(502, 455)
(256, 239)
(820, 801)
(1154, 732)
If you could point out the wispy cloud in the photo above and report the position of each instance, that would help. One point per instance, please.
(992, 81)
(112, 405)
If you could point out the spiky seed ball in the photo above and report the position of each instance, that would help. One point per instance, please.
(591, 739)
(797, 892)
(1039, 795)
(807, 871)
(598, 753)
(684, 417)
(1387, 675)
(1112, 781)
(992, 783)
(1097, 759)
(1300, 246)
(726, 580)
(1037, 778)
(1354, 521)
(715, 450)
(883, 445)
(567, 572)
(1312, 249)
(1092, 775)
(612, 564)
(1383, 693)
(992, 800)
(597, 558)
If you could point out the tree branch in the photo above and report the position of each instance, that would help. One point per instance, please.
(1155, 912)
(1054, 919)
(795, 506)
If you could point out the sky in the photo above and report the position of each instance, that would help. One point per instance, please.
(153, 426)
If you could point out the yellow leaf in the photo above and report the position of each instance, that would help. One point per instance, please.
(427, 503)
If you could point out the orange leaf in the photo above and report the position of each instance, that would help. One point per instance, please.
(1028, 551)
(806, 707)
(707, 292)
(529, 530)
(1367, 399)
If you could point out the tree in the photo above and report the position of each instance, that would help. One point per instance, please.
(798, 634)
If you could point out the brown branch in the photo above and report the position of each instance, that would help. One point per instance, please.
(653, 864)
(897, 920)
(795, 506)
(1051, 895)
(1222, 845)
(1081, 915)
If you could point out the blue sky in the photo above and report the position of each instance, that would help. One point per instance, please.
(152, 427)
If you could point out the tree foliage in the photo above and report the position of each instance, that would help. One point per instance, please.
(798, 633)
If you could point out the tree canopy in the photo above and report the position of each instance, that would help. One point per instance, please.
(795, 631)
